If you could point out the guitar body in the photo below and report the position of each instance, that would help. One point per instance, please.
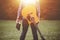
(30, 14)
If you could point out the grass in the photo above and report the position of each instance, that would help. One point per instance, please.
(49, 28)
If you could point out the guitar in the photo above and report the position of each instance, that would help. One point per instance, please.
(30, 14)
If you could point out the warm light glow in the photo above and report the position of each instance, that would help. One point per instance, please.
(17, 1)
(28, 2)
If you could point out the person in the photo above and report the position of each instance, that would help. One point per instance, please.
(29, 13)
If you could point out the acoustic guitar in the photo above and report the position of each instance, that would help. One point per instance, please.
(30, 14)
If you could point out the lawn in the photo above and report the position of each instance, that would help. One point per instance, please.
(50, 29)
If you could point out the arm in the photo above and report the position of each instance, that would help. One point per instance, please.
(19, 16)
(38, 9)
(19, 13)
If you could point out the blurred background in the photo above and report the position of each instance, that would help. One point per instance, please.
(49, 24)
(50, 9)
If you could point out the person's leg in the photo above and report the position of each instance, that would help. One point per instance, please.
(34, 31)
(24, 30)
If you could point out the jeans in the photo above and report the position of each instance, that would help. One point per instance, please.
(25, 26)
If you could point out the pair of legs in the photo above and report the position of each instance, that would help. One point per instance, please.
(25, 29)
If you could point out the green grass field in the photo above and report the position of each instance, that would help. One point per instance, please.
(49, 28)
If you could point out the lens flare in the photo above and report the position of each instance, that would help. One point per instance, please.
(27, 2)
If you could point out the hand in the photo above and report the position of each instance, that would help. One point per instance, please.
(18, 26)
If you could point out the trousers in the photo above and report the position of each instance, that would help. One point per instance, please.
(25, 26)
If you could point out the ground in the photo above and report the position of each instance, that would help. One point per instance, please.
(50, 29)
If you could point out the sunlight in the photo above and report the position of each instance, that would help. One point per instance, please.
(17, 1)
(27, 2)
